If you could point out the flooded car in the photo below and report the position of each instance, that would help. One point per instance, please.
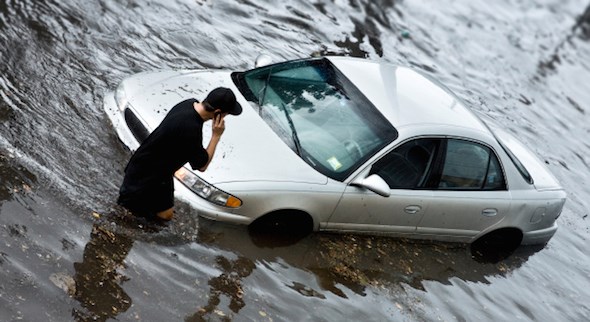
(350, 145)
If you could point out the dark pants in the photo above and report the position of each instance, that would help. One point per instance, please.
(148, 200)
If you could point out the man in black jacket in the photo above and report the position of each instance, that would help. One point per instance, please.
(148, 187)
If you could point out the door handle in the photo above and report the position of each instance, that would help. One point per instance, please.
(489, 212)
(412, 209)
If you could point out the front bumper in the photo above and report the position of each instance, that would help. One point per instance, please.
(541, 236)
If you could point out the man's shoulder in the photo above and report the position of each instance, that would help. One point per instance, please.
(181, 109)
(187, 103)
(183, 115)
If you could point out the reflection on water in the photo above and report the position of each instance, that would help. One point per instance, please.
(357, 262)
(99, 277)
(228, 284)
(339, 263)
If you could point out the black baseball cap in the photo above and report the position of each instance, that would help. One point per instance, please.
(224, 99)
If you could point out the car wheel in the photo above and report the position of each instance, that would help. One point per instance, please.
(284, 223)
(496, 245)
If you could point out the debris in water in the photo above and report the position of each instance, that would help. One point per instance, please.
(65, 282)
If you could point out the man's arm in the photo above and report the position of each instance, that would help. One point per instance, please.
(217, 130)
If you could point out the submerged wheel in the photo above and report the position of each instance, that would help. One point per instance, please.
(496, 245)
(285, 223)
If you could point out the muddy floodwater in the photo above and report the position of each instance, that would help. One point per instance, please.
(66, 254)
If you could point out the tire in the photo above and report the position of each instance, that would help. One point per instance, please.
(496, 245)
(285, 226)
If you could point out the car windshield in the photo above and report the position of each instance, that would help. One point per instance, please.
(318, 113)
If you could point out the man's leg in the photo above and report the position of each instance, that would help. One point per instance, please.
(166, 214)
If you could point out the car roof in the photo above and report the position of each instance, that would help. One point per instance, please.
(407, 97)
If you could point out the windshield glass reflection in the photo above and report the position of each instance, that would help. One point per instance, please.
(318, 113)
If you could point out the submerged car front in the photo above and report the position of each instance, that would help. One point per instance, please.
(301, 133)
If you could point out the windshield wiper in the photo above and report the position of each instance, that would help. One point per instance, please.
(293, 131)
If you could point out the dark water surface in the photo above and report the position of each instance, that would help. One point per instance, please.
(66, 255)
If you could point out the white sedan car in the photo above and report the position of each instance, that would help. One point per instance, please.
(350, 145)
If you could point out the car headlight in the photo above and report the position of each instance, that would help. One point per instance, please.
(121, 97)
(206, 190)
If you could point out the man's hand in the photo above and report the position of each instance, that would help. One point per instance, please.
(218, 125)
(217, 130)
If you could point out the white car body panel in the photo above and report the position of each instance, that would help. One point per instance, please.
(405, 96)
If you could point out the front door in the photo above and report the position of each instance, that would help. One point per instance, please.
(366, 211)
(405, 169)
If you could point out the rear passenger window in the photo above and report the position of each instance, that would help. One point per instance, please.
(470, 166)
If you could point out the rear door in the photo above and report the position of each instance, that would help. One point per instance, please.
(468, 192)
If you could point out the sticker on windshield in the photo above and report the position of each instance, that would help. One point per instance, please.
(334, 163)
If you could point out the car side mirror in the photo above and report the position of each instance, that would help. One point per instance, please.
(373, 183)
(262, 60)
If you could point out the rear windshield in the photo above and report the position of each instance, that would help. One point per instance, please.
(505, 140)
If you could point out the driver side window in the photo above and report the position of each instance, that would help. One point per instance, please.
(408, 166)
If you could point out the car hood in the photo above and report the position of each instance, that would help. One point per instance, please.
(249, 149)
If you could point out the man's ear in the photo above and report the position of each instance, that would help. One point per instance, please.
(208, 107)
